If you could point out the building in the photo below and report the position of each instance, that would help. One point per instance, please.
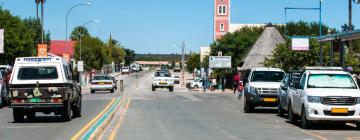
(57, 47)
(152, 63)
(222, 22)
(204, 51)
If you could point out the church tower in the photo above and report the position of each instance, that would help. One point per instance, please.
(221, 18)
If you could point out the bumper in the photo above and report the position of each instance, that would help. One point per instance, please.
(264, 100)
(168, 84)
(36, 105)
(320, 112)
(101, 87)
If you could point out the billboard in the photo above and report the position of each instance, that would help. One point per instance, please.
(1, 40)
(42, 50)
(300, 44)
(80, 66)
(220, 61)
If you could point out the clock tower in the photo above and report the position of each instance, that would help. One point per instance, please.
(221, 18)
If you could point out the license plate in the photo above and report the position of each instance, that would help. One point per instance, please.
(34, 100)
(163, 83)
(101, 83)
(269, 99)
(339, 110)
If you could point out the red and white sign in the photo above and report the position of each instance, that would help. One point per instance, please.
(42, 50)
(300, 44)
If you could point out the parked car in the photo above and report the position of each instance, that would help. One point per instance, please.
(102, 83)
(324, 95)
(162, 80)
(292, 78)
(261, 88)
(198, 83)
(176, 79)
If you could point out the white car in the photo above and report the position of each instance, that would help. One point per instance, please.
(125, 70)
(102, 83)
(196, 84)
(163, 80)
(324, 94)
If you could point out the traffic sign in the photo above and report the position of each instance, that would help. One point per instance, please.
(1, 40)
(220, 61)
(42, 50)
(80, 66)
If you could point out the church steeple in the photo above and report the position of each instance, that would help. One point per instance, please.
(221, 18)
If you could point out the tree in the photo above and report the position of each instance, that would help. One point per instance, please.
(130, 56)
(193, 62)
(79, 31)
(116, 51)
(95, 47)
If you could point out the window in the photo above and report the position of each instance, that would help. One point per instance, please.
(102, 78)
(267, 76)
(222, 27)
(331, 81)
(222, 10)
(37, 73)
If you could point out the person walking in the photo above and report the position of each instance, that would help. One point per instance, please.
(236, 82)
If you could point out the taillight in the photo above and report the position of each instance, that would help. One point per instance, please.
(18, 101)
(56, 100)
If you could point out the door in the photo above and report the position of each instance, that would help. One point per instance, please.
(298, 95)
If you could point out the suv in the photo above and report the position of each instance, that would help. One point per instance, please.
(261, 88)
(43, 84)
(163, 80)
(324, 94)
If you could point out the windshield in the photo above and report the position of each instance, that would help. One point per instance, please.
(102, 78)
(37, 73)
(331, 81)
(267, 76)
(162, 74)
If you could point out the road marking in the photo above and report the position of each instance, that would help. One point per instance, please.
(314, 134)
(82, 130)
(114, 131)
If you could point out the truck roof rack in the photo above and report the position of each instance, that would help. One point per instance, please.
(324, 68)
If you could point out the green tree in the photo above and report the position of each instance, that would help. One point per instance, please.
(193, 62)
(116, 51)
(93, 53)
(129, 57)
(79, 31)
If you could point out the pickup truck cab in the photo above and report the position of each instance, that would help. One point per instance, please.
(324, 94)
(261, 88)
(43, 84)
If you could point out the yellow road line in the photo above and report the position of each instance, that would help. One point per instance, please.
(118, 124)
(86, 127)
(315, 135)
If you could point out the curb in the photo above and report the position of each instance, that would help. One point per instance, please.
(100, 129)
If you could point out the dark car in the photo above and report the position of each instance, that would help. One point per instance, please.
(288, 82)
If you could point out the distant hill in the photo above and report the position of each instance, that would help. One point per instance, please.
(159, 57)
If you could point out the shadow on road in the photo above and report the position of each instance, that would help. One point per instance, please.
(329, 126)
(265, 110)
(43, 119)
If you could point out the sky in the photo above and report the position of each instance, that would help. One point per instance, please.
(158, 26)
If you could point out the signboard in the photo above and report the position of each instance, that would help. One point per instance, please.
(220, 61)
(1, 40)
(42, 50)
(300, 44)
(80, 66)
(66, 57)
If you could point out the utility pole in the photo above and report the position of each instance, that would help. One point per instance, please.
(183, 63)
(42, 21)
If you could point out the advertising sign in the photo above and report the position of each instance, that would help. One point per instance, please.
(42, 50)
(1, 40)
(300, 44)
(220, 61)
(80, 65)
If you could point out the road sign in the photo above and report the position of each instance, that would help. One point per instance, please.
(220, 61)
(80, 66)
(1, 40)
(300, 44)
(42, 50)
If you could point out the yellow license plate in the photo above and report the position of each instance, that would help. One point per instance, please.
(339, 110)
(269, 99)
(101, 83)
(162, 82)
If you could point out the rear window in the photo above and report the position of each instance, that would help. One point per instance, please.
(162, 74)
(102, 78)
(38, 73)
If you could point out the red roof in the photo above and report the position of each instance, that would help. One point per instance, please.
(57, 47)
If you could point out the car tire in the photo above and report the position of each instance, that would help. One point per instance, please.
(18, 115)
(77, 107)
(66, 113)
(281, 112)
(153, 88)
(171, 89)
(112, 91)
(248, 107)
(305, 123)
(291, 116)
(92, 91)
(357, 125)
(31, 115)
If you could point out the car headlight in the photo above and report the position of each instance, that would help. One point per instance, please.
(314, 99)
(253, 90)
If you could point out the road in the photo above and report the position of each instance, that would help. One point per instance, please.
(162, 115)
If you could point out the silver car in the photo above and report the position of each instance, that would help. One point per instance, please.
(102, 83)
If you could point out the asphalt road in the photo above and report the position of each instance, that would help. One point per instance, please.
(164, 115)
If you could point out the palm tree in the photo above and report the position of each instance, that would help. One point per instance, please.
(37, 8)
(78, 32)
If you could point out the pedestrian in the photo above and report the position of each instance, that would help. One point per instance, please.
(236, 80)
(223, 83)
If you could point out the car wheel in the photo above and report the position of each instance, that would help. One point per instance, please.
(171, 89)
(31, 115)
(92, 91)
(66, 113)
(305, 123)
(77, 107)
(280, 111)
(112, 91)
(18, 115)
(248, 107)
(357, 125)
(153, 88)
(292, 117)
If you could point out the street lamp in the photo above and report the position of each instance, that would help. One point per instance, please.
(66, 24)
(84, 25)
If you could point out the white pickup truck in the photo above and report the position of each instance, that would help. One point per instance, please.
(324, 94)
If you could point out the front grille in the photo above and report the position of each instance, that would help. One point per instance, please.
(328, 113)
(339, 100)
(267, 90)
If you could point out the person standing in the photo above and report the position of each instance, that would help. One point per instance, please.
(236, 81)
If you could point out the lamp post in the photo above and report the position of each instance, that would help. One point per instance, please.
(66, 24)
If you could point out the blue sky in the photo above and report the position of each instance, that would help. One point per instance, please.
(155, 26)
